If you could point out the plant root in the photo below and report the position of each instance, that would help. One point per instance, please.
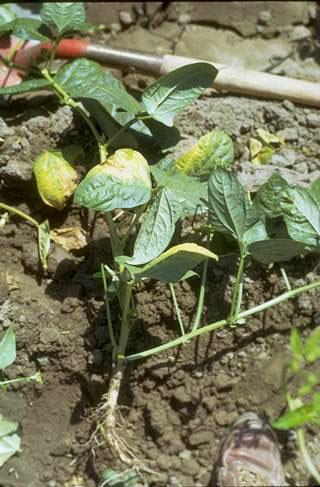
(110, 429)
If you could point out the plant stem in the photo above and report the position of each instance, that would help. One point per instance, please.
(124, 333)
(133, 222)
(285, 278)
(312, 469)
(196, 322)
(238, 290)
(121, 130)
(222, 323)
(19, 379)
(67, 100)
(175, 302)
(114, 237)
(109, 319)
(19, 213)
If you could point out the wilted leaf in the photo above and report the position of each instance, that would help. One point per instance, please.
(156, 230)
(56, 178)
(44, 242)
(268, 197)
(302, 215)
(10, 439)
(65, 16)
(229, 208)
(186, 189)
(26, 87)
(172, 265)
(7, 349)
(212, 150)
(263, 156)
(275, 250)
(311, 348)
(269, 139)
(71, 238)
(173, 92)
(255, 147)
(123, 181)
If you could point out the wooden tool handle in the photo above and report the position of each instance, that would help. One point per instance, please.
(253, 83)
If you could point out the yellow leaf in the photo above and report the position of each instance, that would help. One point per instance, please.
(255, 147)
(269, 139)
(56, 178)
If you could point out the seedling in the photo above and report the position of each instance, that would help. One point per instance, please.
(278, 223)
(301, 387)
(10, 435)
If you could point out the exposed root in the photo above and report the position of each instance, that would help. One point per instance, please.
(110, 430)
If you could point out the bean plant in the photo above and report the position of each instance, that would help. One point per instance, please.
(301, 387)
(278, 223)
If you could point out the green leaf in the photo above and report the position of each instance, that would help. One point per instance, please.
(56, 178)
(212, 150)
(6, 14)
(86, 79)
(295, 418)
(275, 250)
(25, 28)
(256, 233)
(315, 190)
(229, 208)
(296, 344)
(312, 380)
(166, 137)
(173, 92)
(44, 242)
(187, 190)
(267, 199)
(173, 265)
(311, 348)
(123, 181)
(302, 215)
(7, 349)
(156, 230)
(65, 16)
(109, 126)
(10, 439)
(26, 87)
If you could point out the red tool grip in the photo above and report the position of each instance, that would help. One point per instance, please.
(67, 49)
(70, 48)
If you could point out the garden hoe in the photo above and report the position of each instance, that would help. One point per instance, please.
(229, 79)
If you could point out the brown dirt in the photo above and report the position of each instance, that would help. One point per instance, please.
(176, 405)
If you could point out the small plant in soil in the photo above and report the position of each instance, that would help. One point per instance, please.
(10, 435)
(301, 387)
(274, 225)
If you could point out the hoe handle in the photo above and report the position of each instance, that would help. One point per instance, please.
(229, 79)
(254, 83)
